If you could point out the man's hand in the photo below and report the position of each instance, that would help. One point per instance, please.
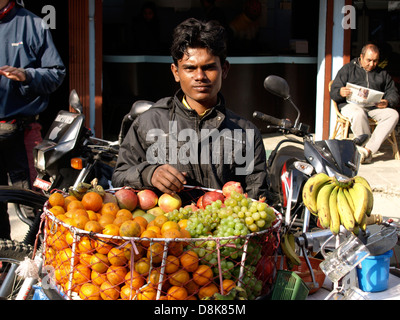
(168, 179)
(344, 92)
(382, 104)
(16, 74)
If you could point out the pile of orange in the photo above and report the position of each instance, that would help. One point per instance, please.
(112, 268)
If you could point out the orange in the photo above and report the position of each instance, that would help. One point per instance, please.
(59, 243)
(99, 262)
(154, 278)
(142, 221)
(142, 266)
(183, 223)
(168, 225)
(84, 258)
(124, 213)
(156, 229)
(203, 275)
(175, 248)
(116, 274)
(228, 285)
(111, 230)
(136, 255)
(192, 287)
(69, 238)
(92, 215)
(81, 274)
(127, 293)
(135, 279)
(79, 212)
(80, 221)
(185, 234)
(67, 200)
(171, 233)
(109, 208)
(89, 291)
(155, 252)
(65, 256)
(108, 291)
(208, 291)
(92, 201)
(102, 246)
(179, 278)
(56, 199)
(75, 204)
(147, 293)
(119, 220)
(98, 278)
(86, 245)
(177, 293)
(172, 264)
(160, 220)
(93, 226)
(150, 234)
(189, 260)
(106, 219)
(57, 210)
(117, 257)
(130, 228)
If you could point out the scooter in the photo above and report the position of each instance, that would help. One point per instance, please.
(293, 161)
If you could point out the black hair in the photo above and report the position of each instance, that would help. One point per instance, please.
(193, 33)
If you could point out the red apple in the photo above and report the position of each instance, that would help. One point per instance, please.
(212, 196)
(199, 203)
(169, 202)
(127, 199)
(231, 186)
(147, 199)
(191, 206)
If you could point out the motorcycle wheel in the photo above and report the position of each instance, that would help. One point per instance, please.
(11, 254)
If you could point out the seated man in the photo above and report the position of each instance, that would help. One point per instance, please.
(192, 138)
(363, 71)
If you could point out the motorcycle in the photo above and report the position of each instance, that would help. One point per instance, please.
(293, 161)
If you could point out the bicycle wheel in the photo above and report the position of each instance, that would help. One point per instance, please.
(11, 254)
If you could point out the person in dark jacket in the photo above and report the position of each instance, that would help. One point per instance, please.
(363, 71)
(30, 70)
(192, 138)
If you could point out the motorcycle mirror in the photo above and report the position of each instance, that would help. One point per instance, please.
(277, 86)
(74, 101)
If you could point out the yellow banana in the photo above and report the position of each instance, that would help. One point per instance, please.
(335, 218)
(311, 189)
(348, 198)
(345, 213)
(288, 249)
(363, 181)
(360, 199)
(323, 210)
(363, 224)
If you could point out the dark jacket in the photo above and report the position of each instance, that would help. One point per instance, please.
(139, 153)
(377, 79)
(25, 43)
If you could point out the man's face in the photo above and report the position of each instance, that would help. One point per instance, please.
(200, 75)
(370, 60)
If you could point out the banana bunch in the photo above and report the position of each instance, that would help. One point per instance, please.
(348, 202)
(84, 187)
(288, 247)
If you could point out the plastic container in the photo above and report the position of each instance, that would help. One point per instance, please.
(39, 294)
(289, 286)
(373, 275)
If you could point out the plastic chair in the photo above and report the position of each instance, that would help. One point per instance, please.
(342, 126)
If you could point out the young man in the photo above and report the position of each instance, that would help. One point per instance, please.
(30, 70)
(191, 138)
(363, 71)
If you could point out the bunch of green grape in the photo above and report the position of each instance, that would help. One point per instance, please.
(255, 214)
(202, 222)
(180, 214)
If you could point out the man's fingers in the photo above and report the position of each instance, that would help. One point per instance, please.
(168, 179)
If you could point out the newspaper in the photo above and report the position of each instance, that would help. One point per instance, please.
(363, 96)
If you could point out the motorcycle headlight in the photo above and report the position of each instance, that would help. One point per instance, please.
(40, 161)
